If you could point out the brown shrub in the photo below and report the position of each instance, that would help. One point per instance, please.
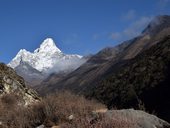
(55, 110)
(58, 107)
(101, 122)
(10, 100)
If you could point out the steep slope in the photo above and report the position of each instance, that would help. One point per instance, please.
(47, 59)
(31, 76)
(109, 60)
(11, 83)
(81, 78)
(140, 82)
(159, 27)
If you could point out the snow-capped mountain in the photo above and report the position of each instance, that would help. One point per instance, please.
(48, 59)
(45, 60)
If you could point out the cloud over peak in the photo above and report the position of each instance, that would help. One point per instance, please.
(130, 15)
(133, 29)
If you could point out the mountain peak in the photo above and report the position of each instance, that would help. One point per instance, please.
(47, 56)
(157, 24)
(160, 20)
(48, 45)
(48, 42)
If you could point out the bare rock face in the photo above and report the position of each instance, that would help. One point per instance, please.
(143, 119)
(11, 83)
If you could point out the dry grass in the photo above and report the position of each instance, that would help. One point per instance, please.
(55, 110)
(100, 122)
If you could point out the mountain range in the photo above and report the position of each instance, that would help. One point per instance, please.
(110, 59)
(132, 74)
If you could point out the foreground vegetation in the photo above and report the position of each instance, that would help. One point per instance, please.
(61, 109)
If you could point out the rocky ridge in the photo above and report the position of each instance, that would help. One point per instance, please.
(11, 83)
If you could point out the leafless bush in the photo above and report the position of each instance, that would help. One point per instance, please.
(10, 100)
(55, 110)
(101, 122)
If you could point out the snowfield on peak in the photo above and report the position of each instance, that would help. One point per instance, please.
(48, 58)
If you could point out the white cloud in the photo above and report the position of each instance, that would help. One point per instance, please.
(130, 15)
(134, 29)
(67, 65)
(70, 39)
(96, 36)
(115, 35)
(163, 3)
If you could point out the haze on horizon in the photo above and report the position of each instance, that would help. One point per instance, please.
(77, 26)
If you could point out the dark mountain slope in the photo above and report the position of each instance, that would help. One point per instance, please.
(81, 79)
(144, 79)
(159, 27)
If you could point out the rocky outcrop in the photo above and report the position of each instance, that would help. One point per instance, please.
(11, 83)
(142, 119)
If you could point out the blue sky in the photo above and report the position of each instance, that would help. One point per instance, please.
(77, 26)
